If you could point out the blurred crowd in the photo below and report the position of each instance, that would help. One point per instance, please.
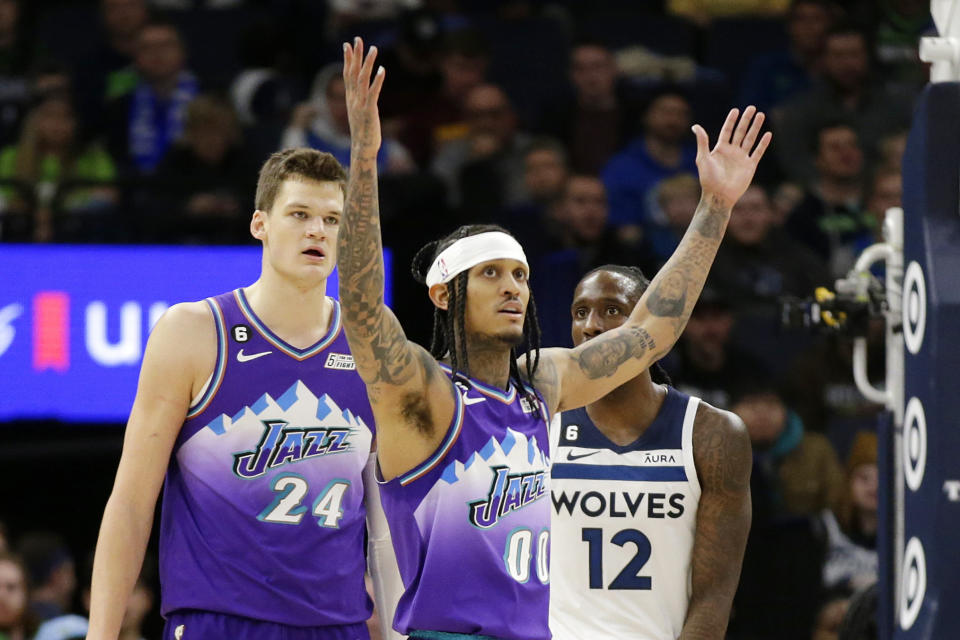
(144, 121)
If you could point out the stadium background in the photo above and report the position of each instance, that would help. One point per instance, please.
(465, 154)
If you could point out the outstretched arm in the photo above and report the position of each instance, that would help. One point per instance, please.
(571, 378)
(405, 384)
(721, 451)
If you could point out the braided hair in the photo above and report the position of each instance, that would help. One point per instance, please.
(639, 284)
(449, 325)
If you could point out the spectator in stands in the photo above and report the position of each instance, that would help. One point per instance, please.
(677, 198)
(16, 621)
(414, 64)
(851, 528)
(484, 170)
(774, 77)
(203, 184)
(830, 618)
(598, 119)
(847, 90)
(706, 363)
(321, 123)
(439, 116)
(758, 264)
(545, 173)
(16, 58)
(886, 191)
(109, 72)
(663, 149)
(830, 219)
(702, 12)
(798, 469)
(895, 31)
(48, 156)
(143, 124)
(139, 604)
(52, 573)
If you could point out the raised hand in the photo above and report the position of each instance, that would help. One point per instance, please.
(362, 96)
(726, 171)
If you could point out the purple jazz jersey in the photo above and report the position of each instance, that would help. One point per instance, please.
(471, 525)
(263, 513)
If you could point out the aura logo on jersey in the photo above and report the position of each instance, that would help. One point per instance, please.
(508, 492)
(282, 443)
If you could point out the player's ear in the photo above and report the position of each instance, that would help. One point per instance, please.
(440, 296)
(258, 224)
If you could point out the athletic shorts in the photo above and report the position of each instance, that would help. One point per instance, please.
(206, 625)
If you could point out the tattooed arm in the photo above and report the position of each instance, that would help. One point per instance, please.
(721, 452)
(411, 398)
(571, 378)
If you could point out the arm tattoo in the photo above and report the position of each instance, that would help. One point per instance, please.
(376, 339)
(601, 357)
(676, 288)
(723, 460)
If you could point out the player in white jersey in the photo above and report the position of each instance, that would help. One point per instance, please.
(651, 498)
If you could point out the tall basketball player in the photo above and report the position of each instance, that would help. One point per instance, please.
(463, 443)
(651, 497)
(249, 403)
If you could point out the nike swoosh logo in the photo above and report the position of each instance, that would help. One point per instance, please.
(468, 400)
(572, 457)
(253, 356)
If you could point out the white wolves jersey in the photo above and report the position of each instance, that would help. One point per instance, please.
(623, 526)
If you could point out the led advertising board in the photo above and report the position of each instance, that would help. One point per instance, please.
(74, 319)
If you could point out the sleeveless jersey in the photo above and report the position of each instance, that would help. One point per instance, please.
(471, 525)
(263, 513)
(623, 526)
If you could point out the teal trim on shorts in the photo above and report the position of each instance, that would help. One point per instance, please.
(444, 635)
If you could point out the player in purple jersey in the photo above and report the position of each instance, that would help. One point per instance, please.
(690, 574)
(251, 414)
(463, 448)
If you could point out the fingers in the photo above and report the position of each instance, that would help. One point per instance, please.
(727, 130)
(377, 84)
(703, 141)
(743, 125)
(762, 147)
(358, 69)
(754, 131)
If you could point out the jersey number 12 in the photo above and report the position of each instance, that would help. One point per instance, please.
(629, 577)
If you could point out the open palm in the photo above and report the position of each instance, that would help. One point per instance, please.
(362, 95)
(727, 169)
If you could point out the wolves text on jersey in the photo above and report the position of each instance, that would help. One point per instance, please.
(619, 504)
(508, 492)
(282, 443)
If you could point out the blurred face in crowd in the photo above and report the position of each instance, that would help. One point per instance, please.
(887, 192)
(678, 201)
(707, 334)
(462, 73)
(764, 415)
(488, 113)
(838, 154)
(845, 60)
(594, 73)
(807, 27)
(668, 118)
(9, 13)
(13, 594)
(864, 481)
(751, 218)
(159, 53)
(123, 17)
(585, 208)
(55, 124)
(544, 174)
(337, 103)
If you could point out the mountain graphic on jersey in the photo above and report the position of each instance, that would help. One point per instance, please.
(502, 478)
(294, 427)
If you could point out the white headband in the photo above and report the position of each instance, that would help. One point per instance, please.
(471, 251)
